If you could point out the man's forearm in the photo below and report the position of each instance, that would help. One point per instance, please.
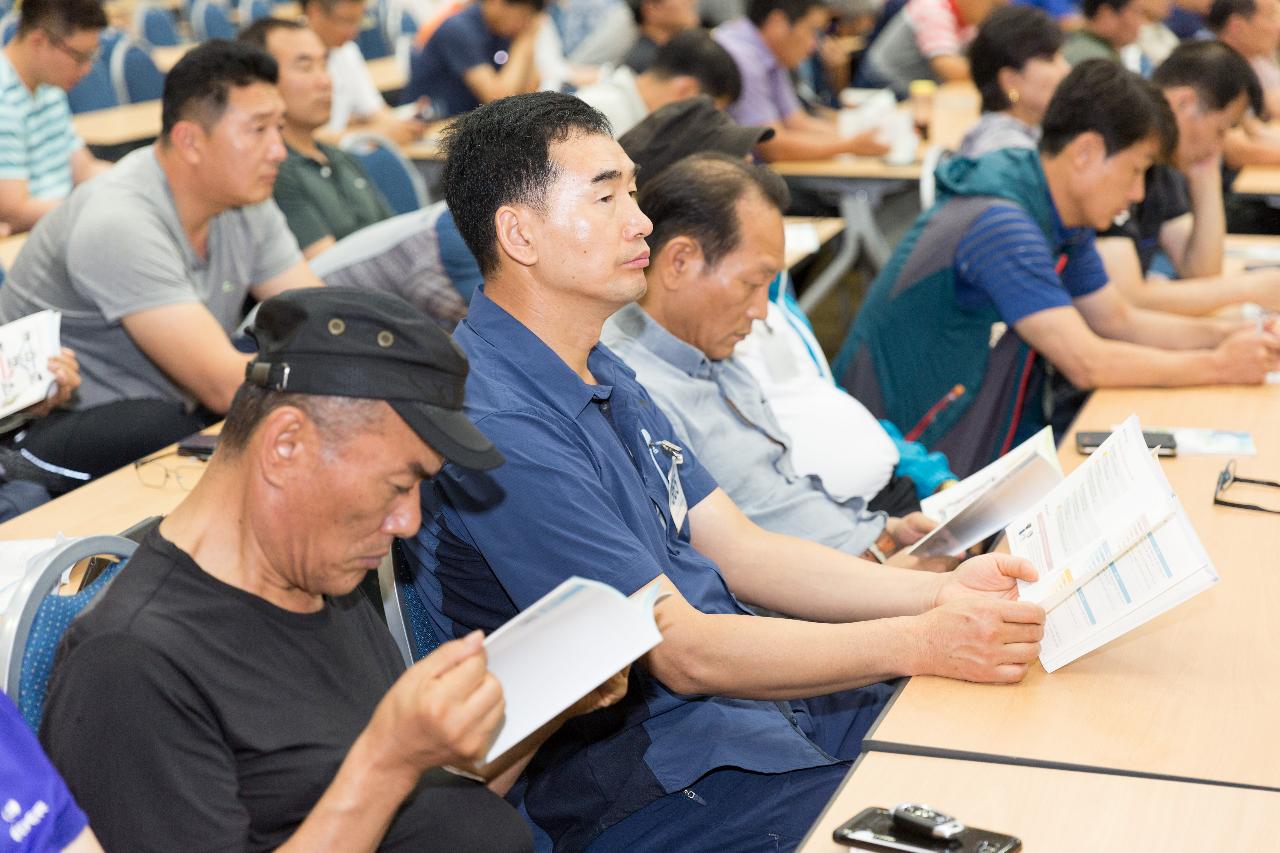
(1203, 253)
(753, 657)
(811, 581)
(1199, 296)
(1173, 331)
(794, 144)
(357, 807)
(24, 215)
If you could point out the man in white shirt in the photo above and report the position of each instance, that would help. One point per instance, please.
(691, 64)
(357, 103)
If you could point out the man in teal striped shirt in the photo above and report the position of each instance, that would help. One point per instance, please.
(41, 156)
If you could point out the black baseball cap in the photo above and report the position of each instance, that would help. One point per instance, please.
(351, 342)
(686, 127)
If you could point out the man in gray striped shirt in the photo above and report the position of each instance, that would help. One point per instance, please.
(41, 156)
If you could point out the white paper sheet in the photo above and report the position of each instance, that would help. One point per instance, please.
(1112, 546)
(25, 348)
(984, 502)
(561, 648)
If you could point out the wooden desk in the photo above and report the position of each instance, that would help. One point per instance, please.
(10, 247)
(824, 228)
(107, 505)
(167, 57)
(1057, 811)
(1190, 694)
(387, 74)
(141, 121)
(119, 125)
(1258, 180)
(1236, 244)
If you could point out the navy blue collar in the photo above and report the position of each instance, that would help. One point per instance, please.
(548, 374)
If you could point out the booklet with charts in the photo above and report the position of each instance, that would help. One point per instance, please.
(1113, 548)
(983, 503)
(561, 648)
(25, 348)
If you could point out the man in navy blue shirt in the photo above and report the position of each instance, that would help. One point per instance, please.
(478, 55)
(717, 745)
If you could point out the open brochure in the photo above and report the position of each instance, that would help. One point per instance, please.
(983, 503)
(25, 348)
(561, 648)
(1112, 546)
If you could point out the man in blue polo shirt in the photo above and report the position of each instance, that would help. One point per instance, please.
(480, 54)
(999, 285)
(717, 745)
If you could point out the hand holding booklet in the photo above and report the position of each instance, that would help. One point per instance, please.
(1112, 546)
(561, 648)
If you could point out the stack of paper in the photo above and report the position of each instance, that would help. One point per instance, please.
(983, 503)
(25, 348)
(1113, 548)
(561, 648)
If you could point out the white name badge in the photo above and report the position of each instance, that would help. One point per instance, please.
(676, 503)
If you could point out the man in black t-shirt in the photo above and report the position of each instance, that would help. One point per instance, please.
(1208, 86)
(232, 689)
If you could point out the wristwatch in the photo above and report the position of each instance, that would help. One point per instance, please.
(882, 548)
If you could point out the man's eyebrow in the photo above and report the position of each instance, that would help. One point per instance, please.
(420, 472)
(606, 176)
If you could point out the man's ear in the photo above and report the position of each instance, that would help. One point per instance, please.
(680, 261)
(1182, 99)
(685, 86)
(186, 138)
(516, 238)
(1087, 150)
(284, 439)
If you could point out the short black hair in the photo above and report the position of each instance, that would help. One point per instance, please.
(1222, 10)
(1217, 72)
(694, 53)
(336, 417)
(60, 17)
(696, 197)
(500, 153)
(260, 30)
(1091, 8)
(1010, 38)
(1101, 96)
(758, 10)
(202, 79)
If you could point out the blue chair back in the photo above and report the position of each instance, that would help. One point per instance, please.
(405, 615)
(37, 617)
(373, 43)
(134, 74)
(95, 91)
(253, 10)
(395, 177)
(8, 27)
(210, 21)
(157, 27)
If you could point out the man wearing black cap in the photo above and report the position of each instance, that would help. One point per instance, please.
(686, 127)
(232, 685)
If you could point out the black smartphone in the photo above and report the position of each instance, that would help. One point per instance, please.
(874, 829)
(1087, 442)
(198, 445)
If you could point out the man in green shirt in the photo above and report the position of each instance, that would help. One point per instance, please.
(1109, 25)
(324, 193)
